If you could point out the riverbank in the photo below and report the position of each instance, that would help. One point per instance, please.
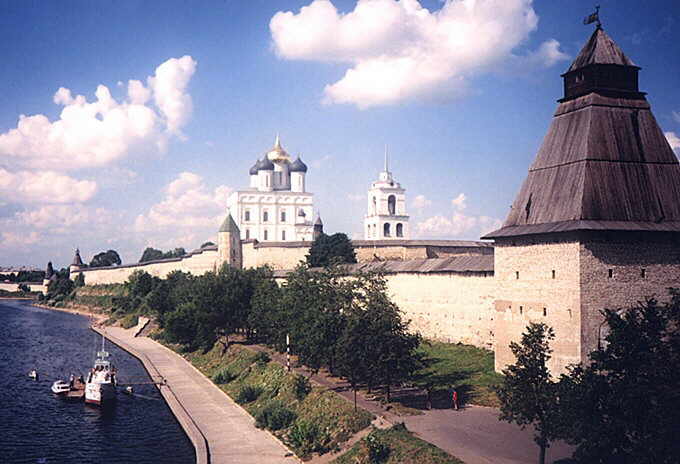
(98, 317)
(221, 431)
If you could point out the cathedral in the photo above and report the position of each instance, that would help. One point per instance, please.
(276, 207)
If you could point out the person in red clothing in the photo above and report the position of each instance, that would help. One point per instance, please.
(455, 399)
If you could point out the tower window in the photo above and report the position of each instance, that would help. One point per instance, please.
(266, 234)
(400, 230)
(545, 311)
(516, 274)
(386, 229)
(643, 272)
(611, 273)
(375, 206)
(553, 273)
(265, 216)
(283, 216)
(283, 235)
(246, 216)
(521, 309)
(391, 205)
(247, 234)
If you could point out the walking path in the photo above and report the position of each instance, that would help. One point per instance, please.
(474, 434)
(221, 431)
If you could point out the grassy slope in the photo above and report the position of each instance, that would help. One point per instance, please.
(98, 296)
(321, 406)
(465, 367)
(404, 447)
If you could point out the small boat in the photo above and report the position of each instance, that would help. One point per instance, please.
(60, 387)
(128, 390)
(100, 386)
(33, 374)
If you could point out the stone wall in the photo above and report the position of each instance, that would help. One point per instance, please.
(14, 287)
(278, 255)
(538, 281)
(626, 257)
(449, 307)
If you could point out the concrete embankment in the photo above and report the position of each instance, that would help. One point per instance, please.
(221, 431)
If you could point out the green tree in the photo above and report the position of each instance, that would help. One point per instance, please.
(352, 356)
(624, 403)
(207, 244)
(331, 249)
(151, 254)
(528, 394)
(106, 258)
(79, 281)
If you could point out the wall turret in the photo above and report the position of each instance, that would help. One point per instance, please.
(229, 244)
(318, 228)
(76, 265)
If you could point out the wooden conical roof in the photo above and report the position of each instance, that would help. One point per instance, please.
(605, 163)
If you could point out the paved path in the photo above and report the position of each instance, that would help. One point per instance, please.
(474, 434)
(221, 431)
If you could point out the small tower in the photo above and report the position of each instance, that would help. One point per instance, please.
(386, 218)
(298, 171)
(76, 265)
(229, 244)
(49, 274)
(318, 228)
(265, 175)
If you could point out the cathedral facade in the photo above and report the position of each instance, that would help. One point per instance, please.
(276, 206)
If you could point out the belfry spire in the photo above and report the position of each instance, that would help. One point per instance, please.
(386, 166)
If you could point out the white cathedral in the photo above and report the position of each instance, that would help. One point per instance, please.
(276, 207)
(386, 218)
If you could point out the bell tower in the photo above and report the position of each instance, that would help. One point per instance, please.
(386, 218)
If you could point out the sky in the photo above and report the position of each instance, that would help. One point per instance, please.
(126, 124)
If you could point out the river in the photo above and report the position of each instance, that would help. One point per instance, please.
(37, 427)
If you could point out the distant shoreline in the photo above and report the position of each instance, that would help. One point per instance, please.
(99, 318)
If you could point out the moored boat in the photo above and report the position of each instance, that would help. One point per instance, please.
(60, 387)
(100, 386)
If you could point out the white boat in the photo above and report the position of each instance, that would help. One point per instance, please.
(100, 386)
(60, 387)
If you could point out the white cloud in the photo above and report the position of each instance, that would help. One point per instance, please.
(189, 205)
(673, 140)
(459, 202)
(44, 187)
(400, 51)
(12, 240)
(97, 133)
(420, 202)
(61, 218)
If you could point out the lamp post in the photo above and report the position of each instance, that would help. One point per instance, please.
(288, 352)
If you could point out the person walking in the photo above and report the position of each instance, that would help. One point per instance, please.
(455, 399)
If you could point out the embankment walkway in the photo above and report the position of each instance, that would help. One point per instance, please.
(220, 430)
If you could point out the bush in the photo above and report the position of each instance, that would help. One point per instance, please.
(378, 449)
(248, 394)
(224, 375)
(307, 438)
(129, 321)
(301, 387)
(274, 416)
(262, 358)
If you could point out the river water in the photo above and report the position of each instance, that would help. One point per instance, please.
(37, 427)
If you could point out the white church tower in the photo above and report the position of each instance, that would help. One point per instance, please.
(386, 218)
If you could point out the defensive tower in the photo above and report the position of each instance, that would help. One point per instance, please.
(597, 220)
(229, 244)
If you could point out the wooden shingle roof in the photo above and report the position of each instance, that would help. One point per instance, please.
(605, 164)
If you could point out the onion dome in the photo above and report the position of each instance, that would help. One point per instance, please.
(254, 168)
(298, 166)
(265, 165)
(277, 153)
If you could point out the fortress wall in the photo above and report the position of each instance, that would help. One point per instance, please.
(449, 307)
(446, 252)
(278, 257)
(521, 300)
(658, 257)
(14, 287)
(368, 253)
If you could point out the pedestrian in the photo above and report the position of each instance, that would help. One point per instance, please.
(455, 399)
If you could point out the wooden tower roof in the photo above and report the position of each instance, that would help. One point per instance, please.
(605, 163)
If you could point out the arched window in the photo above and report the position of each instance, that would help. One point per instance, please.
(247, 215)
(400, 230)
(375, 206)
(265, 216)
(266, 234)
(283, 235)
(391, 205)
(386, 229)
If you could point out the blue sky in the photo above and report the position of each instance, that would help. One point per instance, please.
(461, 92)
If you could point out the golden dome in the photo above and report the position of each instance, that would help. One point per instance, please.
(278, 153)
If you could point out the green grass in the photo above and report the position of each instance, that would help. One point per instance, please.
(334, 416)
(403, 448)
(467, 368)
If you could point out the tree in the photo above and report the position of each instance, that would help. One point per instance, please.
(331, 249)
(152, 254)
(207, 244)
(528, 394)
(106, 258)
(352, 359)
(79, 281)
(624, 403)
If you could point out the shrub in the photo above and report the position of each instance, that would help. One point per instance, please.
(301, 387)
(129, 321)
(275, 416)
(224, 375)
(307, 438)
(378, 449)
(248, 394)
(262, 358)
